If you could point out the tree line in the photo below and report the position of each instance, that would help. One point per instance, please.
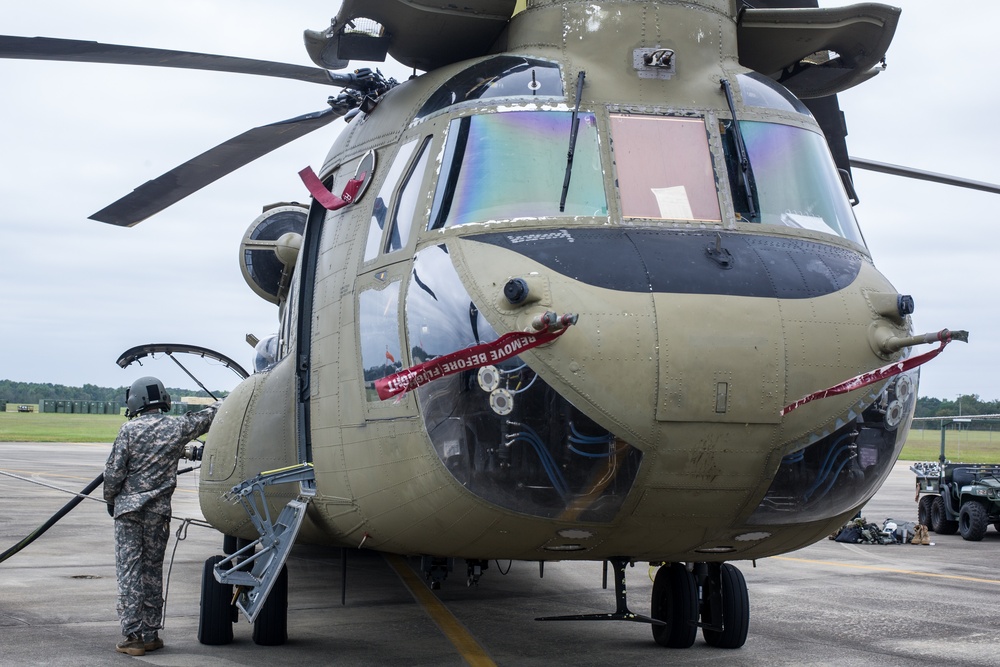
(36, 392)
(966, 404)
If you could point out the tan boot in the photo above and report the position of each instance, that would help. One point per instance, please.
(925, 537)
(916, 534)
(152, 642)
(133, 645)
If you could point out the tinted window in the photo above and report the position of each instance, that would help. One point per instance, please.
(511, 165)
(503, 76)
(380, 207)
(406, 205)
(760, 91)
(379, 335)
(795, 180)
(664, 168)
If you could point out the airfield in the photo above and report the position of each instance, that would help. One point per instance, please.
(828, 604)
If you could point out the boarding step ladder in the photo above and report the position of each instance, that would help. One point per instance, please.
(252, 571)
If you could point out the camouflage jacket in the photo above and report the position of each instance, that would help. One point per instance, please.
(141, 471)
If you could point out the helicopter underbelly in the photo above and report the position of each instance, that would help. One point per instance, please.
(684, 361)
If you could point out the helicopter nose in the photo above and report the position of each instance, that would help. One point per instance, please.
(674, 326)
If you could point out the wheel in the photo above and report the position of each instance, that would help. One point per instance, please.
(735, 608)
(215, 623)
(973, 520)
(939, 519)
(675, 601)
(997, 526)
(271, 626)
(924, 510)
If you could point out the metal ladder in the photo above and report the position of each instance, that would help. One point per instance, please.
(254, 572)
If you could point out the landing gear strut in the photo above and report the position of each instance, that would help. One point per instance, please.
(714, 592)
(675, 602)
(252, 577)
(622, 612)
(723, 605)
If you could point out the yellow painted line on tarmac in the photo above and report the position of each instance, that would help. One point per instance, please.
(471, 651)
(876, 568)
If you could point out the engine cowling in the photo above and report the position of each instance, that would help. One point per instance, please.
(269, 249)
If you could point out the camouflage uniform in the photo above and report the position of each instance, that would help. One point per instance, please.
(139, 480)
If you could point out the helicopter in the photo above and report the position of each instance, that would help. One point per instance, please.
(628, 327)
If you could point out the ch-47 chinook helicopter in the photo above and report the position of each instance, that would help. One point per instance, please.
(588, 288)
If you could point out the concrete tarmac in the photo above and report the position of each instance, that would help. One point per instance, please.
(828, 604)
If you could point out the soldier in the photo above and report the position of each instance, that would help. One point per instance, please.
(139, 480)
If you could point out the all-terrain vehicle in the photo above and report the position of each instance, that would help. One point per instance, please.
(958, 497)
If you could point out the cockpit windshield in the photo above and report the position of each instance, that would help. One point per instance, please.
(504, 166)
(796, 183)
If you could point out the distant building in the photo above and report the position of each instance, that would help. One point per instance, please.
(197, 400)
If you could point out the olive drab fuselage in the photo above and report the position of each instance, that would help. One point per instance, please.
(652, 427)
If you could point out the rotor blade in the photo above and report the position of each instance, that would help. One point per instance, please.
(155, 195)
(72, 50)
(897, 170)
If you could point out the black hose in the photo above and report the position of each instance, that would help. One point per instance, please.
(37, 532)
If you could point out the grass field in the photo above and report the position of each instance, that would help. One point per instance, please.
(54, 427)
(963, 446)
(921, 445)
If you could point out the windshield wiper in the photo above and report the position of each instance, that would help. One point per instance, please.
(574, 130)
(741, 150)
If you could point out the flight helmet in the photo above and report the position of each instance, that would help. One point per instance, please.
(146, 393)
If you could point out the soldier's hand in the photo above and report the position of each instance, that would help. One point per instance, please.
(111, 510)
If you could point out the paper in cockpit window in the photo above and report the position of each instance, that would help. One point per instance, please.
(673, 203)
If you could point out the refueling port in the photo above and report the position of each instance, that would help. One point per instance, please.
(516, 291)
(890, 305)
(524, 290)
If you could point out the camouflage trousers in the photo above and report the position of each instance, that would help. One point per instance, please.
(140, 541)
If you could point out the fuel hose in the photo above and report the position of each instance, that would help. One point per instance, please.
(38, 532)
(63, 511)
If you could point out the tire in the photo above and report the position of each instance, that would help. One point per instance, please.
(973, 519)
(924, 510)
(215, 623)
(271, 626)
(735, 610)
(675, 601)
(997, 526)
(939, 519)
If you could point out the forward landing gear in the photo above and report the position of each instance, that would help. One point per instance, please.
(215, 623)
(715, 593)
(710, 596)
(252, 577)
(219, 613)
(675, 602)
(725, 606)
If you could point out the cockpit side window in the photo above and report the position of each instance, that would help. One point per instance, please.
(664, 168)
(406, 203)
(378, 317)
(510, 165)
(382, 202)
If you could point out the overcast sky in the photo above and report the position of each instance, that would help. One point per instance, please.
(74, 137)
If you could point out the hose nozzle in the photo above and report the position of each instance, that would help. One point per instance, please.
(888, 343)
